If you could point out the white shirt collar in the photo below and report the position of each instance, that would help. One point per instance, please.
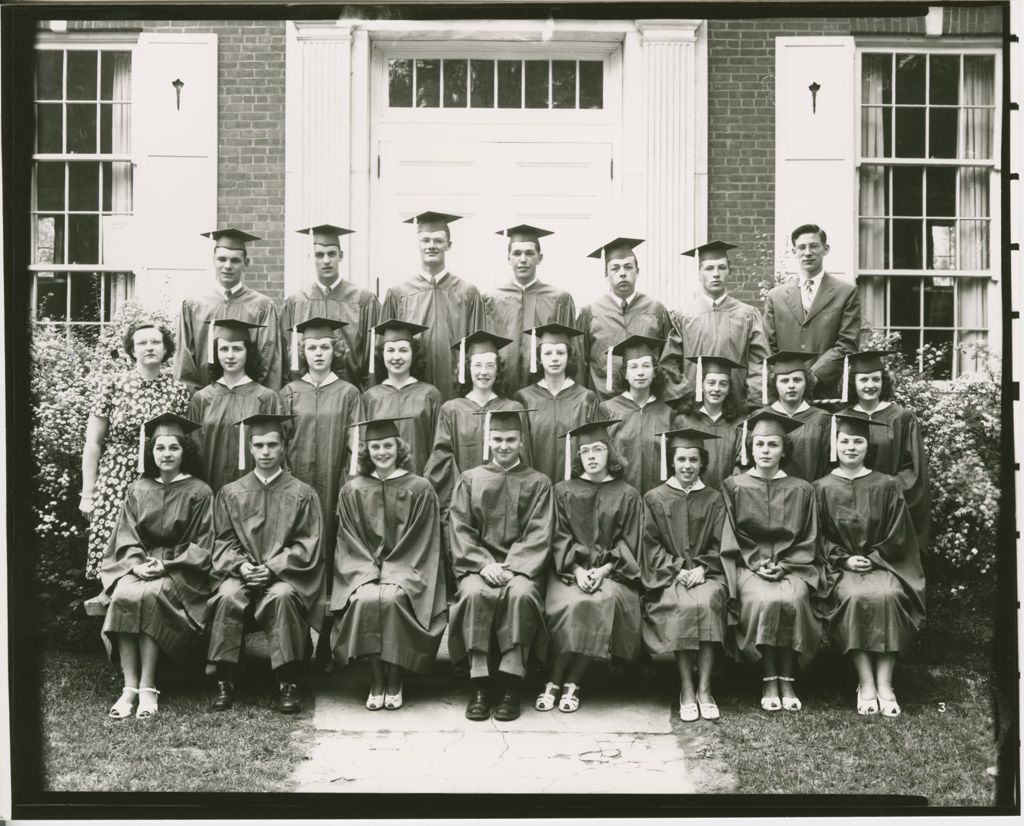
(674, 483)
(336, 282)
(864, 471)
(650, 398)
(568, 383)
(269, 479)
(331, 378)
(177, 478)
(704, 410)
(394, 474)
(816, 281)
(390, 382)
(244, 380)
(779, 474)
(525, 287)
(233, 291)
(506, 470)
(777, 407)
(629, 299)
(716, 302)
(879, 409)
(434, 279)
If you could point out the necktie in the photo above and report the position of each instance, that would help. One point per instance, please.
(625, 305)
(808, 294)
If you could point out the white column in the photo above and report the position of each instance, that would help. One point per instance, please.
(317, 138)
(674, 152)
(360, 167)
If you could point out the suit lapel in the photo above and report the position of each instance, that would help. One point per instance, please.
(822, 297)
(792, 297)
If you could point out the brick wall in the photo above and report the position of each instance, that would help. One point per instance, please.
(250, 132)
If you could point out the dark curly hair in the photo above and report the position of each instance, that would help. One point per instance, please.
(657, 383)
(128, 343)
(885, 395)
(419, 361)
(253, 362)
(499, 389)
(773, 390)
(191, 461)
(616, 464)
(670, 455)
(572, 362)
(787, 452)
(733, 409)
(402, 454)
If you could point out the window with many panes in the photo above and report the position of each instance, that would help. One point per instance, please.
(927, 196)
(81, 185)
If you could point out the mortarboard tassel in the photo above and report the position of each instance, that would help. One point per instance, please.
(664, 458)
(743, 444)
(295, 351)
(533, 350)
(211, 332)
(487, 435)
(241, 446)
(462, 363)
(700, 380)
(373, 349)
(568, 457)
(608, 367)
(833, 438)
(353, 462)
(764, 382)
(141, 465)
(846, 380)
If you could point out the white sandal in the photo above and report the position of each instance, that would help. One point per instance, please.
(570, 701)
(889, 708)
(147, 708)
(790, 703)
(770, 703)
(123, 708)
(866, 707)
(547, 698)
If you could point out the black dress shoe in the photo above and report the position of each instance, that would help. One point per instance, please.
(288, 699)
(508, 707)
(225, 695)
(479, 705)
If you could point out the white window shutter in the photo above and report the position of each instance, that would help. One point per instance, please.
(175, 147)
(815, 144)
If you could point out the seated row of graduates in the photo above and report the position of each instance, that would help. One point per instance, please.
(575, 571)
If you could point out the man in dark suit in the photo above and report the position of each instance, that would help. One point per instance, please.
(816, 313)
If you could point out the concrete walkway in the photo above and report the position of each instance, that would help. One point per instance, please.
(626, 738)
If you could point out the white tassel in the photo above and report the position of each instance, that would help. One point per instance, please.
(373, 349)
(568, 457)
(700, 379)
(533, 350)
(141, 465)
(210, 332)
(833, 437)
(608, 367)
(241, 447)
(353, 462)
(295, 351)
(487, 435)
(846, 380)
(764, 382)
(664, 458)
(743, 443)
(462, 362)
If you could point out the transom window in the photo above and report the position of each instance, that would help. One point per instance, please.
(431, 83)
(82, 185)
(926, 193)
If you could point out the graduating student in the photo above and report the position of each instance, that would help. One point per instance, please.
(459, 442)
(331, 295)
(816, 312)
(446, 306)
(266, 558)
(560, 402)
(525, 303)
(231, 395)
(684, 583)
(592, 604)
(323, 407)
(899, 449)
(502, 519)
(613, 317)
(771, 558)
(711, 406)
(229, 299)
(400, 393)
(718, 323)
(789, 392)
(157, 567)
(869, 542)
(388, 579)
(642, 413)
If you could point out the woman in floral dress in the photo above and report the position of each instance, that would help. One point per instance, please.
(125, 402)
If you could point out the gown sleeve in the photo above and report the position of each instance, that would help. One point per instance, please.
(414, 562)
(469, 556)
(125, 549)
(440, 467)
(528, 555)
(228, 552)
(657, 565)
(190, 564)
(710, 555)
(355, 562)
(624, 552)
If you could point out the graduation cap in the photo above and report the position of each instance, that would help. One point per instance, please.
(680, 437)
(525, 232)
(619, 247)
(854, 423)
(315, 327)
(392, 330)
(325, 234)
(501, 420)
(166, 424)
(711, 364)
(866, 361)
(230, 238)
(430, 221)
(384, 428)
(228, 329)
(259, 424)
(632, 347)
(480, 341)
(586, 434)
(784, 361)
(765, 422)
(553, 333)
(720, 247)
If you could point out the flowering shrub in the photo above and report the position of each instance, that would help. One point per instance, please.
(66, 372)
